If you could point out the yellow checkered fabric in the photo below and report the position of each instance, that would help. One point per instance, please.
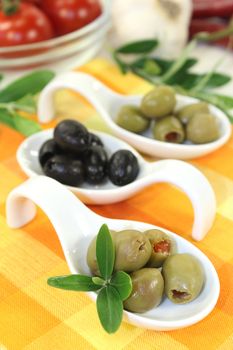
(34, 316)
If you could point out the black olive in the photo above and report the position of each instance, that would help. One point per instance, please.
(72, 136)
(123, 168)
(94, 140)
(48, 150)
(96, 161)
(65, 170)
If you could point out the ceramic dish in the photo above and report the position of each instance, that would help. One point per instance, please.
(84, 43)
(76, 225)
(107, 103)
(185, 176)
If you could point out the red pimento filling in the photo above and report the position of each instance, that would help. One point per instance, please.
(162, 247)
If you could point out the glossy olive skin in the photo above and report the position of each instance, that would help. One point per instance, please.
(147, 292)
(123, 168)
(48, 150)
(159, 102)
(162, 246)
(65, 170)
(202, 128)
(133, 250)
(94, 140)
(91, 255)
(187, 112)
(96, 161)
(72, 136)
(183, 277)
(132, 119)
(169, 129)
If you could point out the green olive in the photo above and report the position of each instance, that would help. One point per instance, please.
(147, 291)
(202, 128)
(183, 277)
(187, 112)
(162, 246)
(133, 250)
(91, 255)
(169, 129)
(132, 119)
(159, 102)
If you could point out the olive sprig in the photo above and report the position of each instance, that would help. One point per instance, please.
(177, 72)
(19, 96)
(112, 288)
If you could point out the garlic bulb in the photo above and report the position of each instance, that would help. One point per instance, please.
(166, 20)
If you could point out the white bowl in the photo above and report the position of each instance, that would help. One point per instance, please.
(84, 43)
(107, 103)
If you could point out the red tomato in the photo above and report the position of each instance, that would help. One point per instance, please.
(37, 2)
(69, 15)
(27, 25)
(210, 8)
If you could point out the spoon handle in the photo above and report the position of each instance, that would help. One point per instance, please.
(65, 211)
(194, 184)
(93, 90)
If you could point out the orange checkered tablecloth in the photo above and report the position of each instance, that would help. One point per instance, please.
(34, 316)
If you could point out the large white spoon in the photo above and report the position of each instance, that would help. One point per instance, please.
(108, 103)
(76, 225)
(183, 175)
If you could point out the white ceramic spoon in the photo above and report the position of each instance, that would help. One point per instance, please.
(76, 225)
(108, 103)
(185, 176)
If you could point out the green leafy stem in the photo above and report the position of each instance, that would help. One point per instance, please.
(113, 288)
(178, 73)
(9, 7)
(20, 96)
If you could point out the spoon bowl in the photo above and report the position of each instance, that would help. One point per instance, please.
(183, 175)
(107, 103)
(76, 225)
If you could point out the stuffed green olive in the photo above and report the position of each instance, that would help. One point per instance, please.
(162, 246)
(183, 277)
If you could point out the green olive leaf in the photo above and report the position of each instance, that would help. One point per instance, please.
(26, 104)
(99, 281)
(190, 80)
(29, 84)
(25, 126)
(138, 47)
(6, 118)
(217, 80)
(73, 282)
(105, 252)
(110, 308)
(123, 284)
(122, 65)
(163, 64)
(179, 62)
(226, 100)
